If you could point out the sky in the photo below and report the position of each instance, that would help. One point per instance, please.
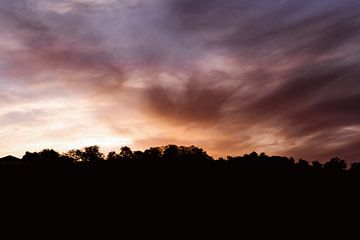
(230, 76)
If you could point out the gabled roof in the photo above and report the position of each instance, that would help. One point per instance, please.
(10, 159)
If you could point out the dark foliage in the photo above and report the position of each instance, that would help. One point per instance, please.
(175, 192)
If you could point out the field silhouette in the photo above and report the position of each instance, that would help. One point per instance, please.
(176, 192)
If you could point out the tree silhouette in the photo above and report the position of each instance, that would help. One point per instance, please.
(192, 195)
(171, 152)
(186, 155)
(303, 164)
(317, 165)
(90, 154)
(355, 167)
(74, 154)
(31, 158)
(112, 156)
(335, 165)
(153, 154)
(126, 153)
(49, 154)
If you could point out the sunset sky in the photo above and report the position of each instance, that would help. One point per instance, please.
(230, 76)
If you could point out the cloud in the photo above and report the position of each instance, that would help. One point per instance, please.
(308, 52)
(269, 29)
(21, 117)
(52, 41)
(230, 75)
(198, 100)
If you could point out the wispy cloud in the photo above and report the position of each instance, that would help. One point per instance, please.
(232, 76)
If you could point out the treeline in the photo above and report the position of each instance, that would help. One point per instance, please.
(92, 156)
(175, 192)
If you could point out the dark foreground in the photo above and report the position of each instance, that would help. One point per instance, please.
(251, 197)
